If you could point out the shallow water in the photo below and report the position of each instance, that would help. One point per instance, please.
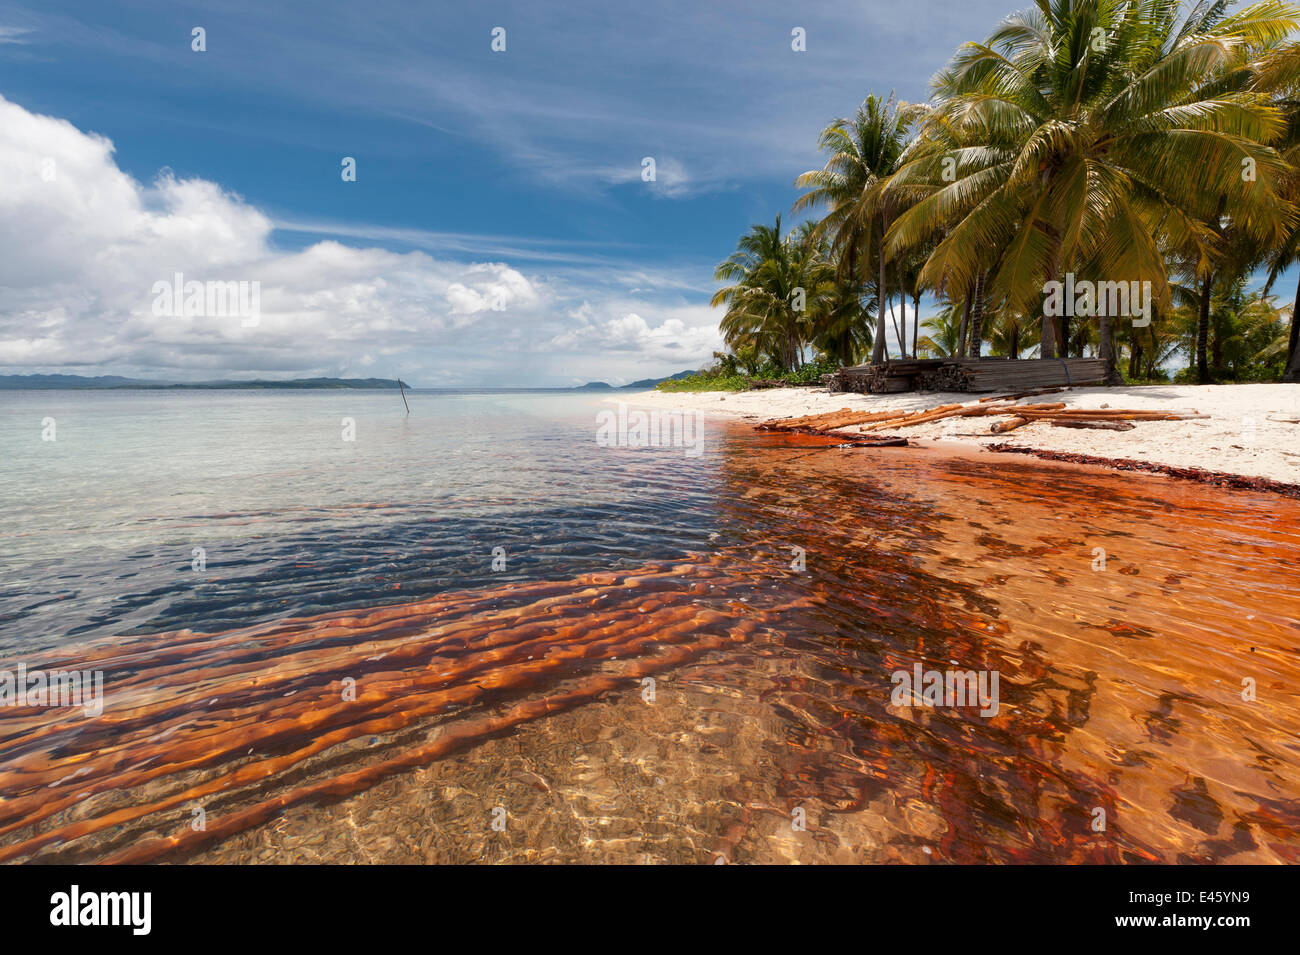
(519, 696)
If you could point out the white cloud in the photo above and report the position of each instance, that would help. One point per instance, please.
(85, 244)
(674, 339)
(495, 287)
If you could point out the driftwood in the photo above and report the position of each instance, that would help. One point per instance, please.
(918, 418)
(999, 427)
(963, 411)
(1022, 394)
(854, 441)
(1095, 425)
(1106, 419)
(826, 421)
(1216, 478)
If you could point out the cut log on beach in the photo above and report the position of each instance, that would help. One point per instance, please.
(1105, 419)
(864, 441)
(829, 420)
(1023, 394)
(1095, 425)
(999, 427)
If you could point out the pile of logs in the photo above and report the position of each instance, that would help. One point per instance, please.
(1003, 374)
(1018, 415)
(966, 375)
(890, 377)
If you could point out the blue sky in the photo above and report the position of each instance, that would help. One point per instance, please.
(477, 172)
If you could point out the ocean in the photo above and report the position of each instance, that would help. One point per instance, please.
(328, 630)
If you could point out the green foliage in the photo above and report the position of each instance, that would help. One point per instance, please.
(703, 381)
(722, 375)
(1118, 140)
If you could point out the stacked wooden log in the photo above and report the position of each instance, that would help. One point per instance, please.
(969, 375)
(890, 377)
(1003, 374)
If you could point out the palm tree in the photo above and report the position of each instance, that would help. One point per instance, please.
(1091, 135)
(840, 328)
(778, 285)
(864, 151)
(837, 305)
(943, 340)
(1008, 335)
(1279, 71)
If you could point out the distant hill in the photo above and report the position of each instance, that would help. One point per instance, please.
(46, 382)
(74, 381)
(86, 382)
(645, 383)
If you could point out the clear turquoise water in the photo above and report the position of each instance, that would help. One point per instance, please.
(102, 522)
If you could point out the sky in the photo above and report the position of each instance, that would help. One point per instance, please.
(499, 230)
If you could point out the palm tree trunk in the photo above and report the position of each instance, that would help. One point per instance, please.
(1015, 341)
(916, 318)
(902, 310)
(977, 317)
(1134, 354)
(965, 319)
(898, 334)
(1106, 332)
(1047, 346)
(1203, 330)
(1292, 372)
(878, 345)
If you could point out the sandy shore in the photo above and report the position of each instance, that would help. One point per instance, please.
(1245, 434)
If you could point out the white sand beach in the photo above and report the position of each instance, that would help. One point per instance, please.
(1252, 429)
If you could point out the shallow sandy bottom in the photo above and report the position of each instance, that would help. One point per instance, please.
(1246, 432)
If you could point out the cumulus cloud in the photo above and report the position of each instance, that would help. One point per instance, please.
(87, 245)
(671, 340)
(491, 287)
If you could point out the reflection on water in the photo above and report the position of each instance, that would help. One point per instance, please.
(699, 690)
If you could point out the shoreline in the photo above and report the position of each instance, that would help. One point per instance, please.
(1247, 434)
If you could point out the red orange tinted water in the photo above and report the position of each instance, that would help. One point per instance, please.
(736, 703)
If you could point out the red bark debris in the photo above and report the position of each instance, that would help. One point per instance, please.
(1199, 475)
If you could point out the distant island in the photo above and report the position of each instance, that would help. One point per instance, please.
(645, 383)
(46, 382)
(84, 382)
